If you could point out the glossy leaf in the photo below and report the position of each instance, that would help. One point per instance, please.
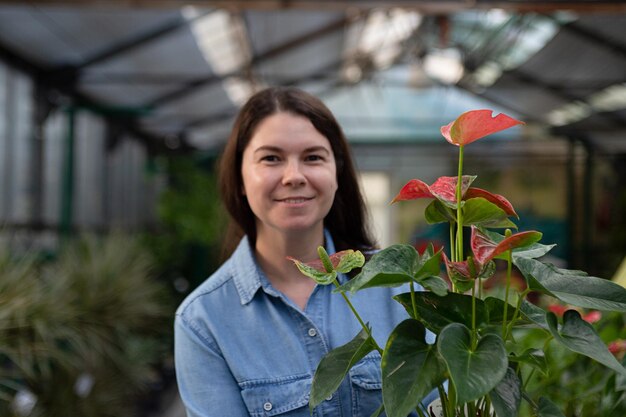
(393, 266)
(475, 124)
(572, 287)
(580, 336)
(478, 211)
(547, 408)
(507, 395)
(496, 199)
(435, 284)
(437, 212)
(474, 371)
(485, 249)
(495, 311)
(336, 364)
(411, 368)
(438, 312)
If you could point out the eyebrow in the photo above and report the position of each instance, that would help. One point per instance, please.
(269, 148)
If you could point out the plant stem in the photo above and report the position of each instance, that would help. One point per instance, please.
(443, 398)
(459, 214)
(358, 317)
(509, 260)
(474, 331)
(516, 313)
(451, 399)
(413, 302)
(452, 244)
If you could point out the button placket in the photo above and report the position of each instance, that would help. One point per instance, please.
(268, 406)
(312, 332)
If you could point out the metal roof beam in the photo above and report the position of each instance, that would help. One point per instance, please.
(141, 39)
(293, 43)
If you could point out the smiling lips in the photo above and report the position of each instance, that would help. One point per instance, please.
(294, 200)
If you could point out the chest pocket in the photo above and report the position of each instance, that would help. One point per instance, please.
(278, 398)
(366, 378)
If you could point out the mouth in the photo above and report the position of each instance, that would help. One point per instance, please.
(294, 200)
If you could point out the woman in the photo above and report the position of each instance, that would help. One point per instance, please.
(249, 338)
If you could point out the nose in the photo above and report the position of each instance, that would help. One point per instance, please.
(293, 174)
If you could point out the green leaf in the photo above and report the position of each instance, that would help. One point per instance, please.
(322, 278)
(533, 357)
(528, 315)
(437, 212)
(474, 371)
(580, 336)
(335, 365)
(393, 266)
(349, 261)
(507, 395)
(378, 411)
(435, 284)
(547, 408)
(571, 287)
(437, 312)
(411, 368)
(478, 211)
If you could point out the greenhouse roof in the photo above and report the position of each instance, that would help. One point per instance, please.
(394, 71)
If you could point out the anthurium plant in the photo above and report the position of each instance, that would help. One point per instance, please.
(475, 363)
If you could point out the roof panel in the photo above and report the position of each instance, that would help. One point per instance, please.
(57, 35)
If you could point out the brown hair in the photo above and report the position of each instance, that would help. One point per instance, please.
(347, 218)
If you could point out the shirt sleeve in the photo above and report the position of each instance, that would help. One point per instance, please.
(205, 382)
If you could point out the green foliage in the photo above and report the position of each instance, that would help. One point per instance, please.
(82, 334)
(476, 350)
(187, 242)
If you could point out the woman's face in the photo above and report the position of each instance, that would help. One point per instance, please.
(289, 175)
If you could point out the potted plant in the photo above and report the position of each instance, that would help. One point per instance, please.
(475, 362)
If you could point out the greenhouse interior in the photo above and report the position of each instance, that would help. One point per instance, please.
(113, 116)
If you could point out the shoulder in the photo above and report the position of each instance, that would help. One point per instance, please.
(213, 287)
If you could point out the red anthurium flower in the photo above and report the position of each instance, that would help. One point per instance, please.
(473, 125)
(335, 259)
(485, 249)
(496, 199)
(558, 309)
(444, 189)
(592, 316)
(617, 347)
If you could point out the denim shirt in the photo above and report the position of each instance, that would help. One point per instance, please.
(244, 349)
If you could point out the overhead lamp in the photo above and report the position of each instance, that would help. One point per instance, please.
(444, 65)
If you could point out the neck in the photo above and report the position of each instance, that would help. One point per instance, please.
(272, 250)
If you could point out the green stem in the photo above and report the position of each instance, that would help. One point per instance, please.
(451, 399)
(516, 313)
(459, 214)
(452, 245)
(358, 317)
(443, 398)
(509, 264)
(413, 301)
(474, 331)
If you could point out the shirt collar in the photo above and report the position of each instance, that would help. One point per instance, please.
(247, 274)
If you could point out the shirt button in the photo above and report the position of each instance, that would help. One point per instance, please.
(312, 332)
(330, 397)
(267, 406)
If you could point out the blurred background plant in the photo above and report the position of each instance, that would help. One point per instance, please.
(186, 246)
(84, 334)
(580, 386)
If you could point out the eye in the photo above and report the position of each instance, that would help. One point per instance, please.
(314, 158)
(270, 158)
